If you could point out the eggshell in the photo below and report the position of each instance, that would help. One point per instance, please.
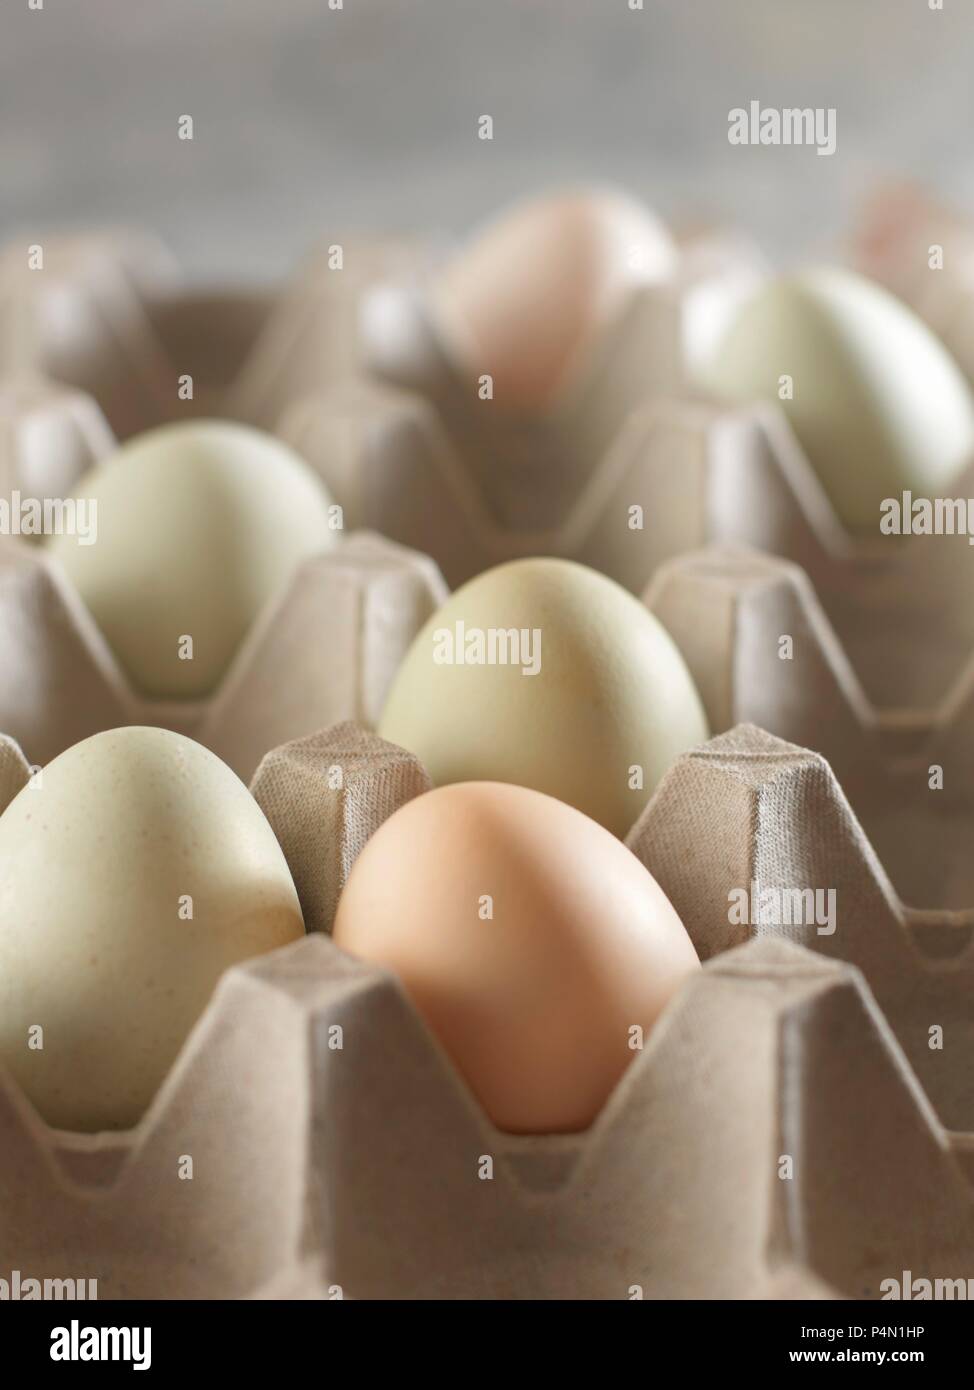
(607, 712)
(526, 300)
(199, 525)
(879, 404)
(95, 867)
(535, 1002)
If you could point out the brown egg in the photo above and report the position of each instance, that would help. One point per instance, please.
(525, 302)
(534, 944)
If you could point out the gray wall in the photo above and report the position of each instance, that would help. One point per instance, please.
(309, 121)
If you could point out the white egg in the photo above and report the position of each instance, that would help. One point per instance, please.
(199, 525)
(875, 400)
(546, 674)
(131, 877)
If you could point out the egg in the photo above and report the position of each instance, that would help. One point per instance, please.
(546, 674)
(877, 403)
(526, 301)
(538, 949)
(199, 525)
(131, 877)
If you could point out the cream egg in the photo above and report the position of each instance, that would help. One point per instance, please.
(538, 949)
(132, 874)
(527, 299)
(546, 674)
(199, 525)
(874, 398)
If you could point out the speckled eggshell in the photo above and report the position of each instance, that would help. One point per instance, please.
(95, 867)
(878, 405)
(531, 941)
(609, 709)
(526, 300)
(199, 526)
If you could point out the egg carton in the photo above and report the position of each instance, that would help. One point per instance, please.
(336, 1153)
(924, 253)
(411, 450)
(324, 649)
(694, 473)
(93, 347)
(110, 314)
(422, 464)
(107, 317)
(762, 650)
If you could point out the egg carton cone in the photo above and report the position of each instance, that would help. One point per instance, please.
(763, 651)
(750, 812)
(923, 252)
(771, 1140)
(110, 314)
(50, 436)
(326, 648)
(413, 451)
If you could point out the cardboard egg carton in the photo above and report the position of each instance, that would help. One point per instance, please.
(50, 436)
(411, 450)
(109, 314)
(695, 474)
(424, 465)
(762, 650)
(324, 649)
(319, 1171)
(335, 1152)
(94, 344)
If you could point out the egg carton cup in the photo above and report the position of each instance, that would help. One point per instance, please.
(923, 252)
(762, 650)
(109, 314)
(412, 446)
(336, 1153)
(326, 648)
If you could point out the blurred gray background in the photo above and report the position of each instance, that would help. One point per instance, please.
(311, 121)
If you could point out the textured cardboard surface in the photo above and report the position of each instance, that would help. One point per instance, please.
(426, 461)
(319, 1169)
(692, 475)
(357, 1167)
(339, 630)
(110, 314)
(49, 436)
(728, 610)
(93, 347)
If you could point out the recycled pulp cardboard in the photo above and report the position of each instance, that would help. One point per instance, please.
(412, 450)
(110, 314)
(325, 649)
(335, 1151)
